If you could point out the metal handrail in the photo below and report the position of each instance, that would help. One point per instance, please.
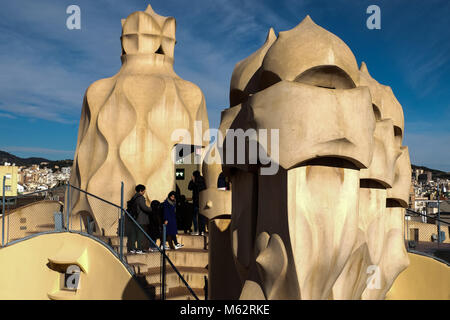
(96, 197)
(429, 256)
(426, 216)
(124, 214)
(162, 252)
(6, 213)
(20, 196)
(36, 192)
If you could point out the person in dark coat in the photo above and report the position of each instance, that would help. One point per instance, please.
(156, 220)
(170, 220)
(222, 183)
(141, 213)
(184, 215)
(197, 184)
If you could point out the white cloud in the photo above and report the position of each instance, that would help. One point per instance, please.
(46, 68)
(5, 115)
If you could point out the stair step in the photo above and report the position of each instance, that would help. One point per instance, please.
(192, 242)
(117, 249)
(191, 262)
(145, 261)
(181, 257)
(194, 276)
(189, 241)
(113, 240)
(189, 257)
(155, 289)
(138, 267)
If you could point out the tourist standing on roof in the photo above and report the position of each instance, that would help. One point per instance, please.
(197, 184)
(170, 220)
(138, 209)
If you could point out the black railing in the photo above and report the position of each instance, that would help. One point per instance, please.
(24, 215)
(156, 256)
(55, 215)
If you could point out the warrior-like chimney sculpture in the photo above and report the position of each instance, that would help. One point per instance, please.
(127, 122)
(328, 225)
(324, 225)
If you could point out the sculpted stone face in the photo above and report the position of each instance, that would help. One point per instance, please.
(379, 246)
(323, 213)
(127, 121)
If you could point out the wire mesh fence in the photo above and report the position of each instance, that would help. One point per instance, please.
(427, 234)
(33, 213)
(80, 206)
(69, 209)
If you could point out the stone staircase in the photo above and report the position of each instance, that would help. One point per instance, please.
(191, 261)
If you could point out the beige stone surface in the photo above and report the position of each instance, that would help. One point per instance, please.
(223, 280)
(372, 215)
(252, 291)
(323, 122)
(306, 50)
(379, 254)
(322, 225)
(352, 281)
(35, 269)
(312, 230)
(402, 179)
(394, 257)
(212, 201)
(315, 228)
(246, 74)
(424, 279)
(369, 246)
(270, 248)
(127, 120)
(383, 99)
(243, 220)
(385, 155)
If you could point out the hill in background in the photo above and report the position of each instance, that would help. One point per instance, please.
(435, 173)
(8, 157)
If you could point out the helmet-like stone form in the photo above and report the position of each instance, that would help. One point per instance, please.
(127, 122)
(315, 55)
(333, 208)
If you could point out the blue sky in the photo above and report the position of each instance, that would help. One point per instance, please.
(46, 68)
